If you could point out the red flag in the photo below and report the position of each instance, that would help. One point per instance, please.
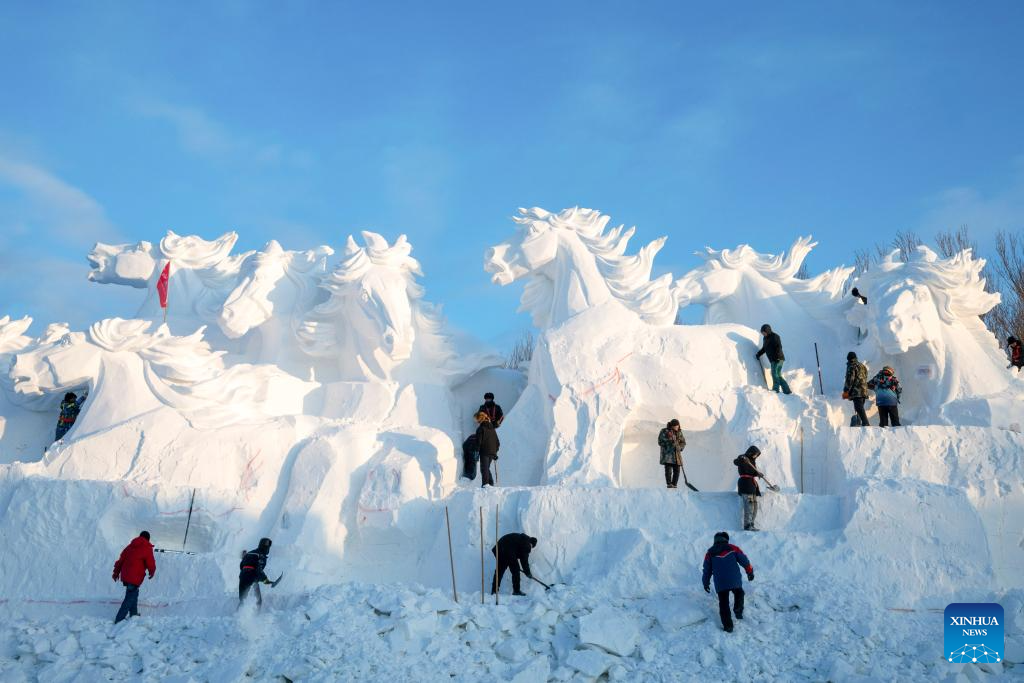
(162, 283)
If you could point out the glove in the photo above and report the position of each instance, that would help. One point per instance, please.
(267, 581)
(114, 576)
(750, 576)
(846, 395)
(494, 457)
(707, 589)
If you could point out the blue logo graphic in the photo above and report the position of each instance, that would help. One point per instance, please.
(973, 633)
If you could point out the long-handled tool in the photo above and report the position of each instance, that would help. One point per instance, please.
(546, 586)
(168, 550)
(771, 486)
(687, 481)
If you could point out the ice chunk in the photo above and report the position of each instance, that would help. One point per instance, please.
(590, 662)
(611, 630)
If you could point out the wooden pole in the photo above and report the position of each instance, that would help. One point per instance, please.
(497, 551)
(482, 555)
(451, 558)
(189, 522)
(817, 358)
(801, 458)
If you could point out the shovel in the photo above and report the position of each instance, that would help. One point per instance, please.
(546, 586)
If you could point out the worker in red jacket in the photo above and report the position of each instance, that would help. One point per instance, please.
(130, 569)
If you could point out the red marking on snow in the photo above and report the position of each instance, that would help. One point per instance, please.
(171, 513)
(614, 376)
(249, 475)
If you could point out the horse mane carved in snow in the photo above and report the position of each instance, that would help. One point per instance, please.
(573, 263)
(130, 370)
(926, 313)
(375, 322)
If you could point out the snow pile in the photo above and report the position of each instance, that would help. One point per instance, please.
(320, 400)
(389, 632)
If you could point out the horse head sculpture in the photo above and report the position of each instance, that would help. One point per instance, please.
(572, 263)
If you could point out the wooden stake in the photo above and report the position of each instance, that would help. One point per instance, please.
(189, 522)
(497, 563)
(801, 458)
(482, 555)
(451, 558)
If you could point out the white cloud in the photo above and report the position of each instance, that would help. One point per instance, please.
(197, 132)
(984, 212)
(202, 135)
(44, 204)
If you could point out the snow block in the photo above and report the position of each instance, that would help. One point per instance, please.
(589, 662)
(610, 630)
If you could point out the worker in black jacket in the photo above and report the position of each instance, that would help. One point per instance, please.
(251, 571)
(773, 349)
(493, 410)
(512, 552)
(747, 486)
(488, 444)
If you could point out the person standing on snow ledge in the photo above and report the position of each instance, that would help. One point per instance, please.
(747, 486)
(773, 349)
(855, 387)
(131, 567)
(723, 562)
(70, 407)
(488, 443)
(251, 571)
(493, 410)
(887, 396)
(1013, 346)
(512, 551)
(672, 443)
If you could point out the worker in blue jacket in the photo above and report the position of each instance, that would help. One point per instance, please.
(723, 561)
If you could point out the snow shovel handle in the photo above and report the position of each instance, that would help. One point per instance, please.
(546, 586)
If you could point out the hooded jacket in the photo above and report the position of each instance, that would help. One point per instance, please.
(672, 444)
(747, 485)
(887, 387)
(493, 411)
(772, 348)
(723, 561)
(254, 562)
(856, 384)
(135, 560)
(487, 439)
(515, 548)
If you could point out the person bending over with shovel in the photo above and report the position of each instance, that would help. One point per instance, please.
(512, 552)
(251, 572)
(747, 486)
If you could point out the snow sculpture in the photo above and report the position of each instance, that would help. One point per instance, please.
(746, 287)
(375, 324)
(573, 264)
(23, 430)
(923, 317)
(129, 371)
(276, 288)
(609, 367)
(12, 335)
(122, 264)
(203, 274)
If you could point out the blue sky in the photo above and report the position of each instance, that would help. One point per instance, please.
(712, 123)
